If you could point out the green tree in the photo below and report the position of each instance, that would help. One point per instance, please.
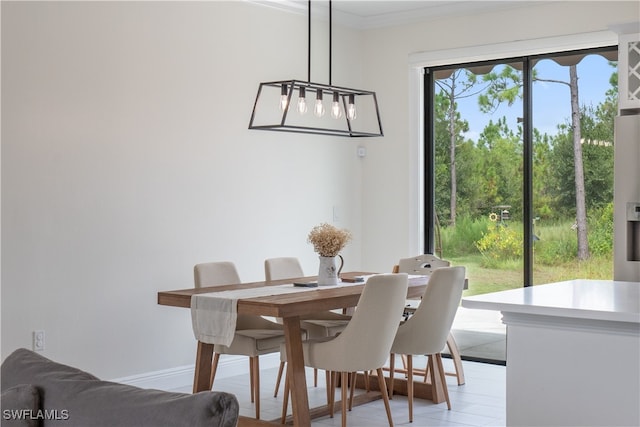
(500, 166)
(505, 86)
(562, 175)
(578, 166)
(543, 201)
(597, 150)
(469, 173)
(460, 84)
(448, 137)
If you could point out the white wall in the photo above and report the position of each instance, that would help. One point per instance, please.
(390, 170)
(126, 159)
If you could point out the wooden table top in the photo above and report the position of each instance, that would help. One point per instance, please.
(293, 304)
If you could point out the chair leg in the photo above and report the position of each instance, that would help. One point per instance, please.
(444, 380)
(315, 377)
(280, 370)
(214, 368)
(332, 393)
(436, 378)
(327, 376)
(404, 361)
(285, 401)
(426, 371)
(352, 388)
(392, 369)
(256, 383)
(366, 381)
(385, 396)
(410, 385)
(344, 385)
(251, 377)
(457, 360)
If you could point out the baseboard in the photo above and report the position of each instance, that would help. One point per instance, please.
(181, 377)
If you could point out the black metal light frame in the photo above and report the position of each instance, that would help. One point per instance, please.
(343, 93)
(321, 89)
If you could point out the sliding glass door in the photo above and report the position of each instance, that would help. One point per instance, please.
(505, 195)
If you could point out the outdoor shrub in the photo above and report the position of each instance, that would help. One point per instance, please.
(558, 243)
(556, 251)
(455, 239)
(500, 243)
(600, 230)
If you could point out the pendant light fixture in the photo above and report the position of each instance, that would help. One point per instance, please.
(353, 112)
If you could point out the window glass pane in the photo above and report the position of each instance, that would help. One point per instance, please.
(574, 104)
(478, 173)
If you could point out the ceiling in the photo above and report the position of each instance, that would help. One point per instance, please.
(365, 14)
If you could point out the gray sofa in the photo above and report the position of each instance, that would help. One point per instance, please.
(37, 391)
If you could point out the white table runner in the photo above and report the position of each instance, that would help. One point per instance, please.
(214, 314)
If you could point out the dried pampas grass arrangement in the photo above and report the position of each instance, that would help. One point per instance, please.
(328, 240)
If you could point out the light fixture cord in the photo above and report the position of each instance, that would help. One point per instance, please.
(309, 44)
(330, 38)
(309, 40)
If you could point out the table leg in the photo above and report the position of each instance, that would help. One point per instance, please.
(202, 376)
(437, 388)
(297, 378)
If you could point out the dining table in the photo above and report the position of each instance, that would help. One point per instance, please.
(290, 307)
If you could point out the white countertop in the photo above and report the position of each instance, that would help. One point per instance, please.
(585, 299)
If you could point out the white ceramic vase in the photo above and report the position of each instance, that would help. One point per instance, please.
(329, 273)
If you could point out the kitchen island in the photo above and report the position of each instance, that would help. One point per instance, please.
(573, 352)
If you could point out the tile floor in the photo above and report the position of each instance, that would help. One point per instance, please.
(479, 402)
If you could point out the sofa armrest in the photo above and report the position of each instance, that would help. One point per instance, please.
(87, 400)
(20, 405)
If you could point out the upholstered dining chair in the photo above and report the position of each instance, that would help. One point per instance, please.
(282, 268)
(427, 264)
(254, 335)
(422, 264)
(365, 343)
(316, 325)
(425, 333)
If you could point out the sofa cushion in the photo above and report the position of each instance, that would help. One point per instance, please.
(76, 398)
(20, 405)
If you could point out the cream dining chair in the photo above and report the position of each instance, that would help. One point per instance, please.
(365, 343)
(425, 333)
(317, 325)
(426, 264)
(254, 335)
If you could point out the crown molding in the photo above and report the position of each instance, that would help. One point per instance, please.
(398, 13)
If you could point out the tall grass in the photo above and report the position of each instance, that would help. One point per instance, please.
(459, 240)
(558, 244)
(494, 268)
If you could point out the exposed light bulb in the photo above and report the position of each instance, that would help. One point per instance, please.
(336, 111)
(351, 108)
(284, 99)
(302, 102)
(318, 108)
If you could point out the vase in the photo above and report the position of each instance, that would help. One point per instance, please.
(329, 274)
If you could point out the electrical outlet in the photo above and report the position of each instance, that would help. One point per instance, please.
(38, 340)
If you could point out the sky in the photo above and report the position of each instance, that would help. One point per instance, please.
(551, 101)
